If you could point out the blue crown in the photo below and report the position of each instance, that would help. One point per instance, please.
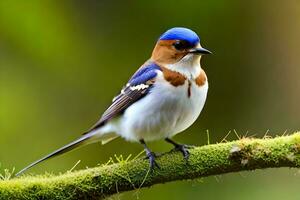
(180, 33)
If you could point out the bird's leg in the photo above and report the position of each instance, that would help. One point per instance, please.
(180, 147)
(150, 155)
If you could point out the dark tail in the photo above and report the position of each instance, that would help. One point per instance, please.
(64, 149)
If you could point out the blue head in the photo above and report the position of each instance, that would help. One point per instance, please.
(180, 33)
(175, 44)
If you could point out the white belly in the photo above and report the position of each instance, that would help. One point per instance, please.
(165, 112)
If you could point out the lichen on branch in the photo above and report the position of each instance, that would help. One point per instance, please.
(106, 180)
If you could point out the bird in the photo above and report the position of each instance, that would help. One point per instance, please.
(162, 98)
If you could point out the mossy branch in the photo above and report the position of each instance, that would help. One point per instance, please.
(103, 181)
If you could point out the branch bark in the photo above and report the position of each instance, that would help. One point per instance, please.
(103, 181)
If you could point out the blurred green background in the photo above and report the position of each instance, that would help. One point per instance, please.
(61, 62)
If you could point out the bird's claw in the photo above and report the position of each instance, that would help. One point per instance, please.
(184, 150)
(152, 163)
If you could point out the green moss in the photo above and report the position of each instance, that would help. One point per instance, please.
(126, 174)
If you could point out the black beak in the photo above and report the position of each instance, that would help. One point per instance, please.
(200, 50)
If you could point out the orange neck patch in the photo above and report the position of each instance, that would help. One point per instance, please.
(201, 79)
(174, 78)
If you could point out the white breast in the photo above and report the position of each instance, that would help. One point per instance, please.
(165, 112)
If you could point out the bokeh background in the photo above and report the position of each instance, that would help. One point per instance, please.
(61, 62)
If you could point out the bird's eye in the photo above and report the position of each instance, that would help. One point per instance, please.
(181, 45)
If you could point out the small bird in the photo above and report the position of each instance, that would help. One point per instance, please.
(163, 97)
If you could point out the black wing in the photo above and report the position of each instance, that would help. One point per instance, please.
(137, 87)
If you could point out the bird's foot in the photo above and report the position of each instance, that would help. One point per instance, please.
(152, 163)
(183, 148)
